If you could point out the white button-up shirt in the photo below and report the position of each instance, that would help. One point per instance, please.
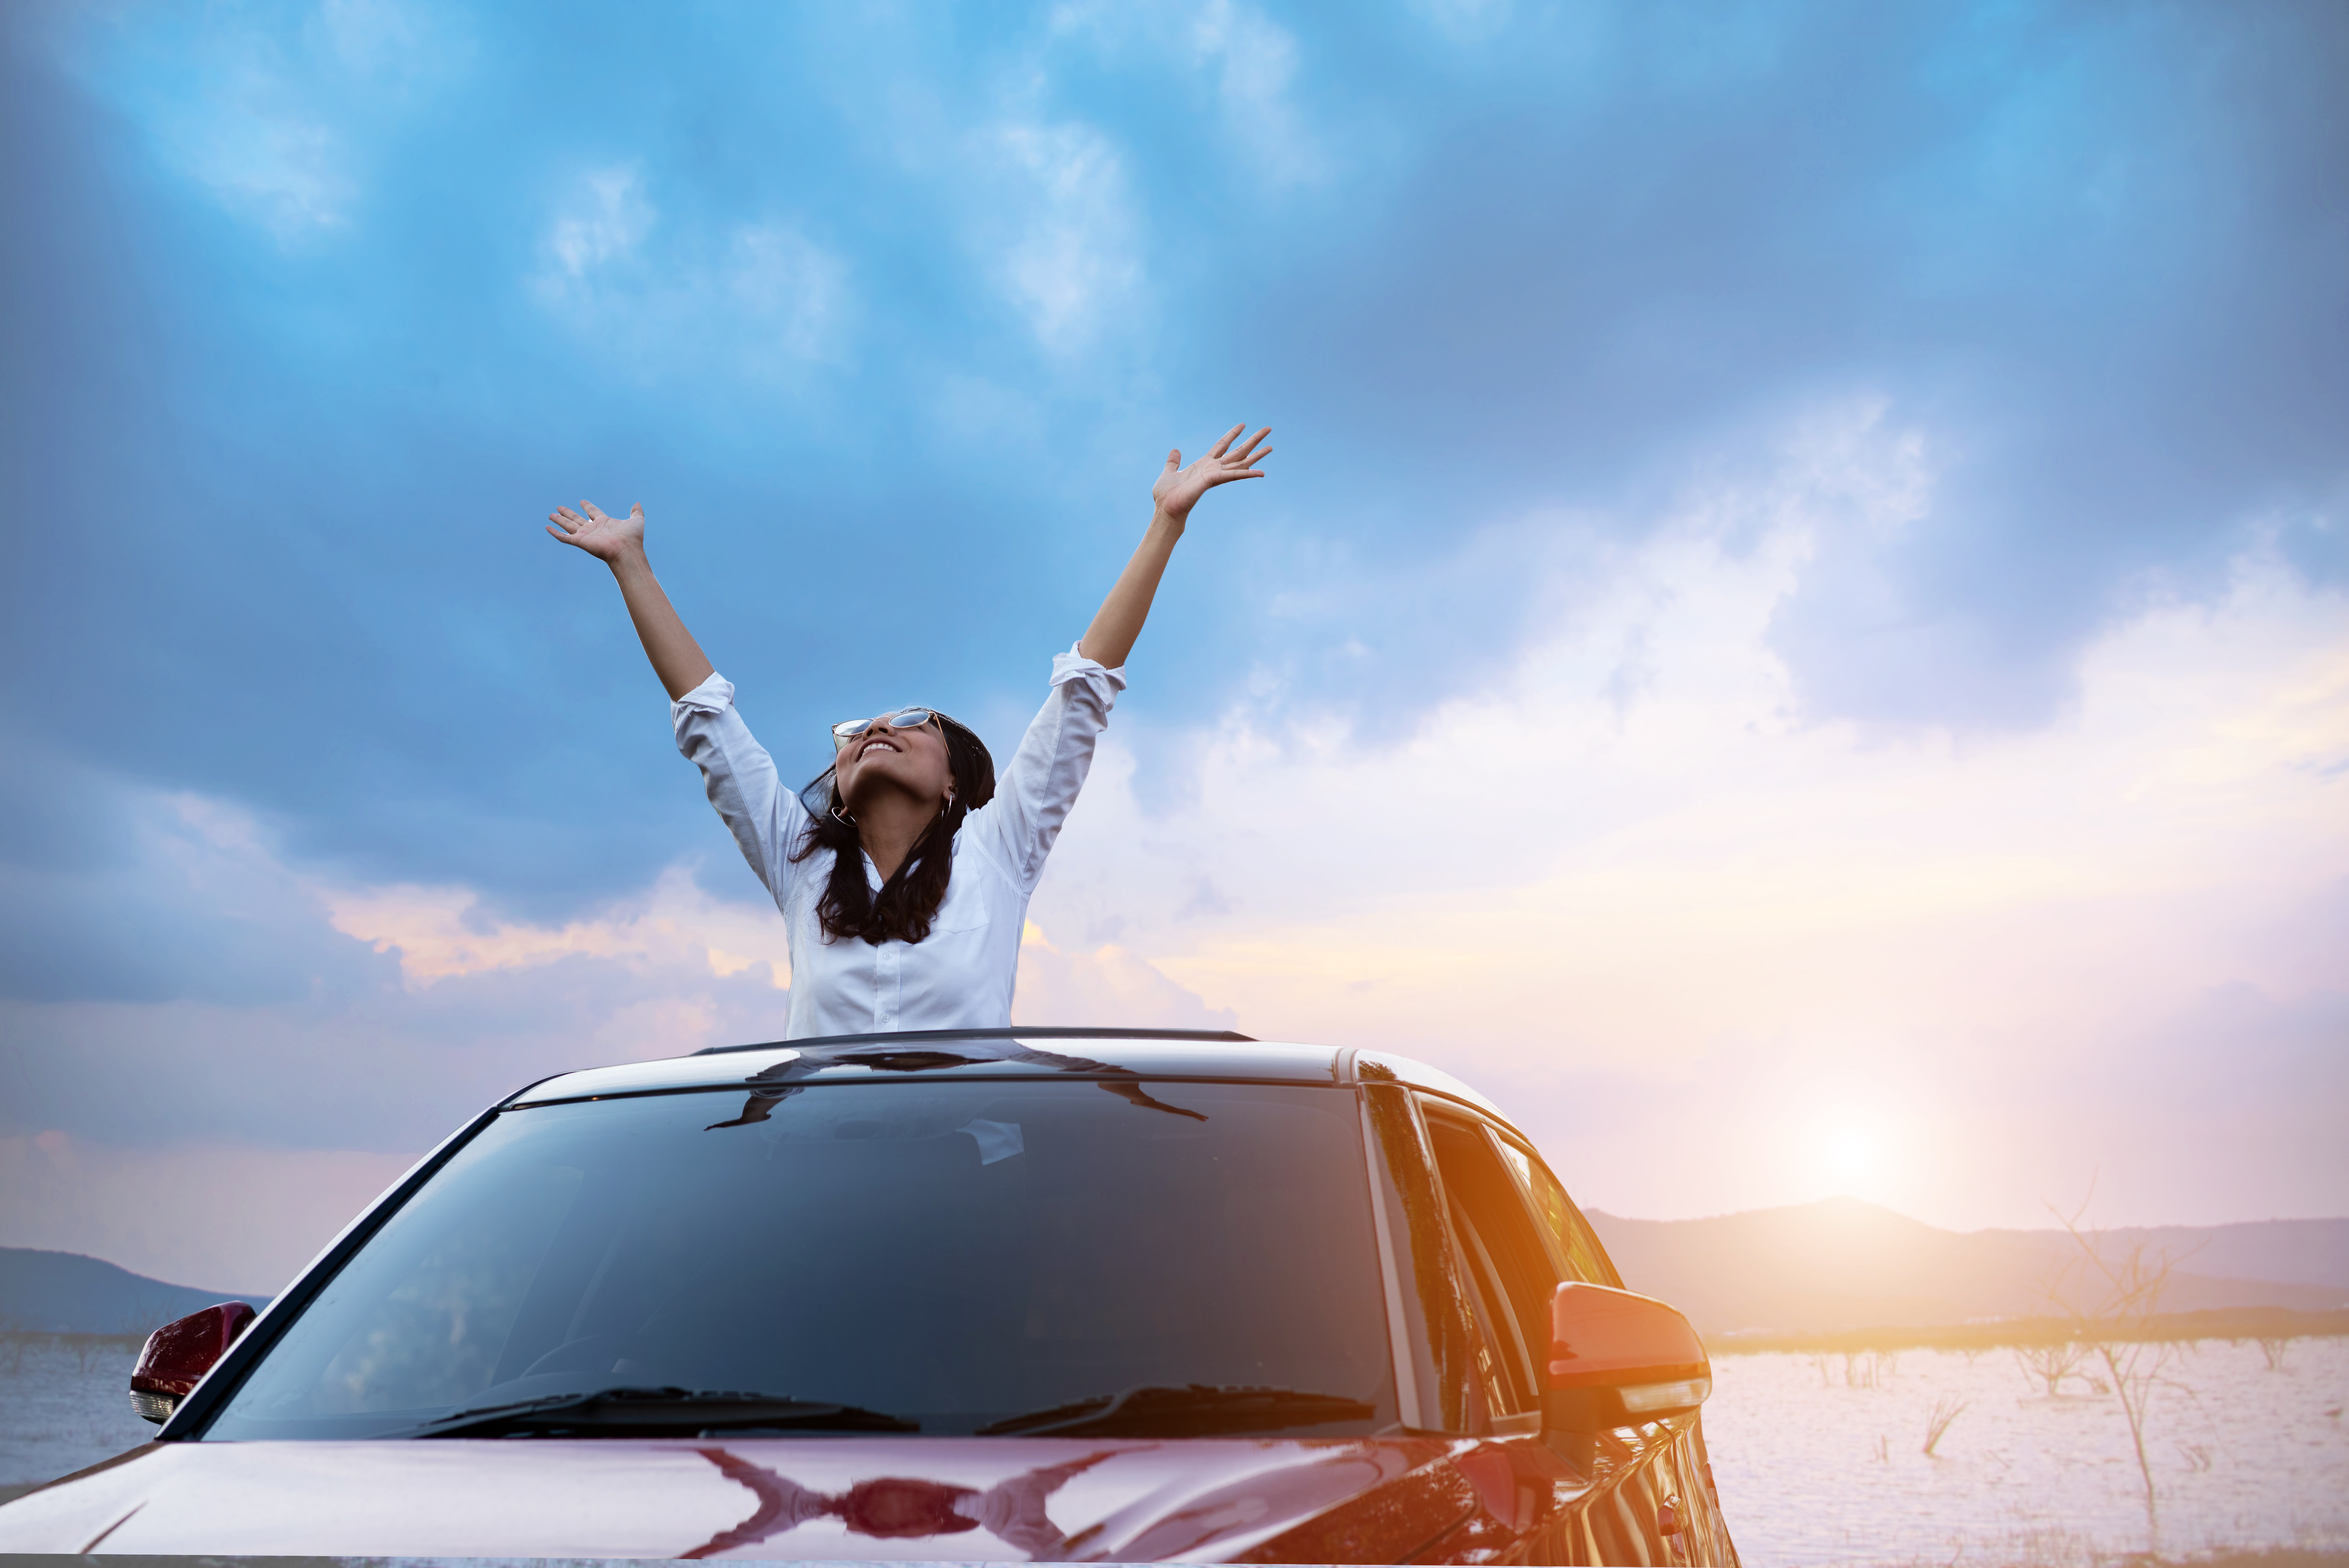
(960, 976)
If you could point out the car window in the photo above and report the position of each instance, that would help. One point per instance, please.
(1502, 1358)
(1574, 1244)
(1505, 1248)
(950, 1253)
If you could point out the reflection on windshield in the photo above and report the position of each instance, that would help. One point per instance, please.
(948, 1253)
(774, 1085)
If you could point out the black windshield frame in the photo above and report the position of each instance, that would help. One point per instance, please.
(1346, 1175)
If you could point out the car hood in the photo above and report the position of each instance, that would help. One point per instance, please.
(968, 1498)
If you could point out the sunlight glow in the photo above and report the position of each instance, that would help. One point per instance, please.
(1849, 1152)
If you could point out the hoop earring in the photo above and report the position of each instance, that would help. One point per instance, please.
(843, 818)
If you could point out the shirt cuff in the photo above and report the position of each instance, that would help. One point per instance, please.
(1075, 666)
(714, 695)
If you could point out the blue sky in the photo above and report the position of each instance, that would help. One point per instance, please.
(313, 310)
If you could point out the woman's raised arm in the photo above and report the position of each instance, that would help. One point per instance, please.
(619, 544)
(1111, 637)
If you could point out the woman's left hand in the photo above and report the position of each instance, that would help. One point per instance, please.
(1118, 621)
(1178, 488)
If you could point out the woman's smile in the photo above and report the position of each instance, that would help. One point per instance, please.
(910, 762)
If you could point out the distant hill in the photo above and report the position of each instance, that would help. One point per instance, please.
(65, 1292)
(1843, 1264)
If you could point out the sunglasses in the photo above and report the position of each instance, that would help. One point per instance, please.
(848, 730)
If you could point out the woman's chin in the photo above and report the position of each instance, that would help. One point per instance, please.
(875, 791)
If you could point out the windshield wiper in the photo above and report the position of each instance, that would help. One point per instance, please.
(659, 1413)
(1197, 1410)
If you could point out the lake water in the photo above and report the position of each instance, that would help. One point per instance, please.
(1819, 1460)
(63, 1405)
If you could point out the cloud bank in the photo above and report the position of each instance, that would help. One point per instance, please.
(1799, 604)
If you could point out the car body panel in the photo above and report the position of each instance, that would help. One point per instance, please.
(970, 1499)
(1425, 1498)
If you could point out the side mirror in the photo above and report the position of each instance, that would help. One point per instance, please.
(179, 1353)
(1617, 1359)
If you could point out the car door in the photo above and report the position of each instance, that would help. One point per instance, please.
(1636, 1495)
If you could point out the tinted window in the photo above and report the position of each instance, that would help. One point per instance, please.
(1505, 1252)
(1576, 1248)
(951, 1253)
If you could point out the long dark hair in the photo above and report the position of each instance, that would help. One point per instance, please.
(908, 901)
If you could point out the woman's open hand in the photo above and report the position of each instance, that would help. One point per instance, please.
(605, 537)
(1111, 637)
(1178, 488)
(619, 544)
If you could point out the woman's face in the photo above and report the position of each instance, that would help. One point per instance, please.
(883, 760)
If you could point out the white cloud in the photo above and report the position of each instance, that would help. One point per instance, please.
(792, 293)
(1254, 59)
(438, 935)
(603, 222)
(287, 171)
(1251, 58)
(269, 113)
(1673, 888)
(1108, 987)
(760, 298)
(1064, 238)
(1043, 204)
(1046, 202)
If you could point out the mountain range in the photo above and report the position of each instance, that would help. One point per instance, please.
(1846, 1264)
(66, 1292)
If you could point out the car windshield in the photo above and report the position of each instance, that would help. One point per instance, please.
(946, 1254)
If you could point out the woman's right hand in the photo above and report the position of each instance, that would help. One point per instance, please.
(605, 537)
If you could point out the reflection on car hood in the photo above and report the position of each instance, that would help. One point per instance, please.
(968, 1498)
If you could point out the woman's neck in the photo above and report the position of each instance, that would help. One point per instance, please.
(889, 827)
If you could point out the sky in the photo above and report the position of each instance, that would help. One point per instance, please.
(1797, 633)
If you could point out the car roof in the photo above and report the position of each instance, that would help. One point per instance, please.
(1015, 1052)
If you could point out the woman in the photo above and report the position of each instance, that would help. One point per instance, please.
(903, 871)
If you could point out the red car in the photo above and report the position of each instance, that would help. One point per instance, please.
(1027, 1294)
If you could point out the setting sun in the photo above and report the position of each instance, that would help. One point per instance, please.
(1849, 1151)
